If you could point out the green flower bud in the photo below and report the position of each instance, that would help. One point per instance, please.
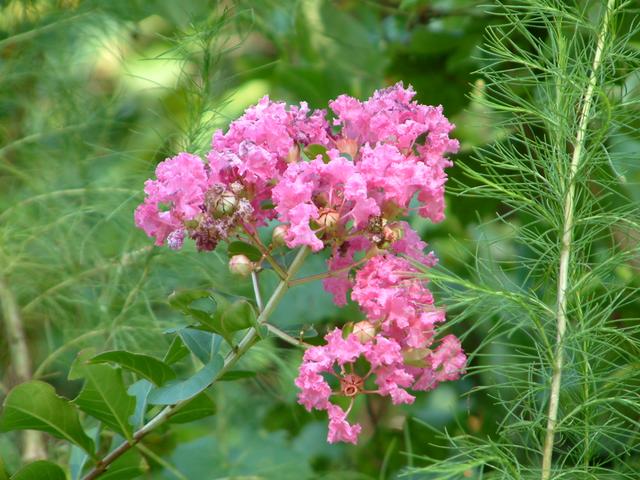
(364, 331)
(225, 204)
(241, 265)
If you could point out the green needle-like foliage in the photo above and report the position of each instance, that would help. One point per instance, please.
(559, 306)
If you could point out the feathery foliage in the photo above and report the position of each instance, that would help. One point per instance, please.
(558, 307)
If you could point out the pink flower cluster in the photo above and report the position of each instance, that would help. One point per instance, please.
(340, 185)
(396, 342)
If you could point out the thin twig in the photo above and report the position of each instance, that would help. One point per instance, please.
(565, 253)
(256, 291)
(33, 447)
(329, 274)
(286, 337)
(265, 254)
(230, 360)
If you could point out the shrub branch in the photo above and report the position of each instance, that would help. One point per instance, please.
(232, 357)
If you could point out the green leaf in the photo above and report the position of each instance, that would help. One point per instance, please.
(3, 471)
(144, 365)
(238, 316)
(105, 397)
(40, 470)
(35, 406)
(140, 390)
(204, 345)
(228, 317)
(182, 299)
(243, 248)
(176, 352)
(211, 304)
(313, 150)
(175, 392)
(200, 406)
(236, 375)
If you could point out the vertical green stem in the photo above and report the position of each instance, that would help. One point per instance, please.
(565, 252)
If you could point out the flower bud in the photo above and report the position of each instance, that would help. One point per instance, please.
(279, 235)
(328, 218)
(241, 265)
(225, 204)
(364, 331)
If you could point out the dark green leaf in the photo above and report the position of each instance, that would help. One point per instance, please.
(200, 406)
(238, 316)
(35, 406)
(40, 470)
(177, 351)
(148, 367)
(242, 248)
(236, 375)
(105, 397)
(175, 392)
(229, 317)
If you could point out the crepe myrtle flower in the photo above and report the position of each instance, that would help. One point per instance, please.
(370, 364)
(373, 162)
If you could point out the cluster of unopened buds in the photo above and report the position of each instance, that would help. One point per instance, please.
(340, 186)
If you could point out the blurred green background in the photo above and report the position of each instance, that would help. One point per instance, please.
(94, 94)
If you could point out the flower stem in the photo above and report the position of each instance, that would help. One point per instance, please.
(256, 291)
(265, 253)
(565, 253)
(286, 337)
(331, 273)
(230, 360)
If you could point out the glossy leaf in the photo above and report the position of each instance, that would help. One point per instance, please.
(175, 392)
(105, 397)
(144, 365)
(176, 352)
(34, 405)
(40, 470)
